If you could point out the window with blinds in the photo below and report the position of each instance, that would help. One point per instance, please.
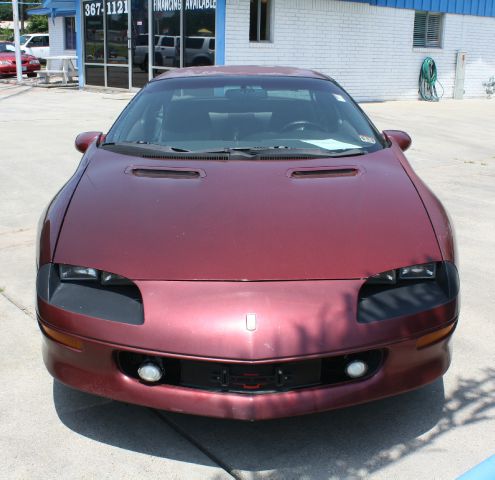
(428, 30)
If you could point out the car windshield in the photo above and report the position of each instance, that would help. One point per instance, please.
(233, 112)
(23, 39)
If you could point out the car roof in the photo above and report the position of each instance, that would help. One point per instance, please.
(240, 70)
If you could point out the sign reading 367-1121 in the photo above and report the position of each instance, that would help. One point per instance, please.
(114, 7)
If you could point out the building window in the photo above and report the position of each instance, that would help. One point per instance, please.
(428, 30)
(70, 33)
(259, 21)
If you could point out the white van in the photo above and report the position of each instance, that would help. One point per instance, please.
(37, 44)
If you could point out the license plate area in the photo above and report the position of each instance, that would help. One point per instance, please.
(246, 378)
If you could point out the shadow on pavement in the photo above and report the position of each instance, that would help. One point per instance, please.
(350, 443)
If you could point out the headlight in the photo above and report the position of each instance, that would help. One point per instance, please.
(72, 273)
(4, 62)
(108, 278)
(34, 62)
(419, 272)
(428, 271)
(385, 278)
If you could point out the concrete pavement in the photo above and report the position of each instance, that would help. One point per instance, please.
(50, 431)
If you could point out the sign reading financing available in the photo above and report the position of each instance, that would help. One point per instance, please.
(175, 5)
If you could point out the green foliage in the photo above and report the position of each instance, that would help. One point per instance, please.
(6, 34)
(5, 13)
(37, 24)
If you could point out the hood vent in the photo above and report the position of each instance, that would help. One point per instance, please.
(323, 172)
(166, 172)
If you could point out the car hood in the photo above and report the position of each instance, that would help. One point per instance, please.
(246, 220)
(11, 56)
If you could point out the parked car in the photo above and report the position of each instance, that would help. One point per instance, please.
(8, 62)
(37, 44)
(200, 51)
(244, 243)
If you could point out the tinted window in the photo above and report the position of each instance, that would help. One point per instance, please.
(221, 112)
(196, 43)
(259, 20)
(70, 33)
(36, 42)
(142, 40)
(167, 42)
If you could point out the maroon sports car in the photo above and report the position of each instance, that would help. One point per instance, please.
(243, 243)
(8, 63)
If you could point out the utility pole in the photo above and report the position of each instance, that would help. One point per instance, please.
(17, 41)
(21, 14)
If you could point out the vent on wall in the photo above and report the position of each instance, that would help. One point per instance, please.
(428, 30)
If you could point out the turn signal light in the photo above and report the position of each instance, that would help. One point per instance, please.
(434, 337)
(64, 339)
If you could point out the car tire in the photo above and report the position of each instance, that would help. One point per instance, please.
(32, 75)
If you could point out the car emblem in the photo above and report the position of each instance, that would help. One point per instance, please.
(251, 322)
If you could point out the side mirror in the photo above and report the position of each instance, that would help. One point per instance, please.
(401, 138)
(84, 140)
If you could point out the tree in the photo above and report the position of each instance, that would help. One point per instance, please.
(37, 24)
(5, 13)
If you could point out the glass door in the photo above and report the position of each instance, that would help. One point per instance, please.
(193, 22)
(117, 44)
(94, 43)
(199, 33)
(166, 31)
(139, 43)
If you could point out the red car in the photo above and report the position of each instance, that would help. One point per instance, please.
(8, 63)
(243, 243)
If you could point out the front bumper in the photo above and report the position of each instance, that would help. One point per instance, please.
(206, 321)
(95, 370)
(8, 70)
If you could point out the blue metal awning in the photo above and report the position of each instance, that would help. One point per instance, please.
(483, 8)
(55, 8)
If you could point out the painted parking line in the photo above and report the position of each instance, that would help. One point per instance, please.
(483, 471)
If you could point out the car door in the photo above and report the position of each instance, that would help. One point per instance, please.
(45, 46)
(38, 46)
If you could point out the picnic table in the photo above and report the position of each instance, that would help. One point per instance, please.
(66, 68)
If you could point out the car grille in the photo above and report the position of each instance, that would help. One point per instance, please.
(253, 378)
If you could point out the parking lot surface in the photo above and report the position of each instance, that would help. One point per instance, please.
(50, 431)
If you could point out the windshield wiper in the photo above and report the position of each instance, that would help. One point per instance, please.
(280, 151)
(141, 145)
(233, 153)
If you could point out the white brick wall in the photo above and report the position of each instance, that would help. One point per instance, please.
(57, 38)
(367, 49)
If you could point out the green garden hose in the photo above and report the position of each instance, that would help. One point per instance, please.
(428, 79)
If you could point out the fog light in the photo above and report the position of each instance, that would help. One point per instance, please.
(356, 369)
(150, 372)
